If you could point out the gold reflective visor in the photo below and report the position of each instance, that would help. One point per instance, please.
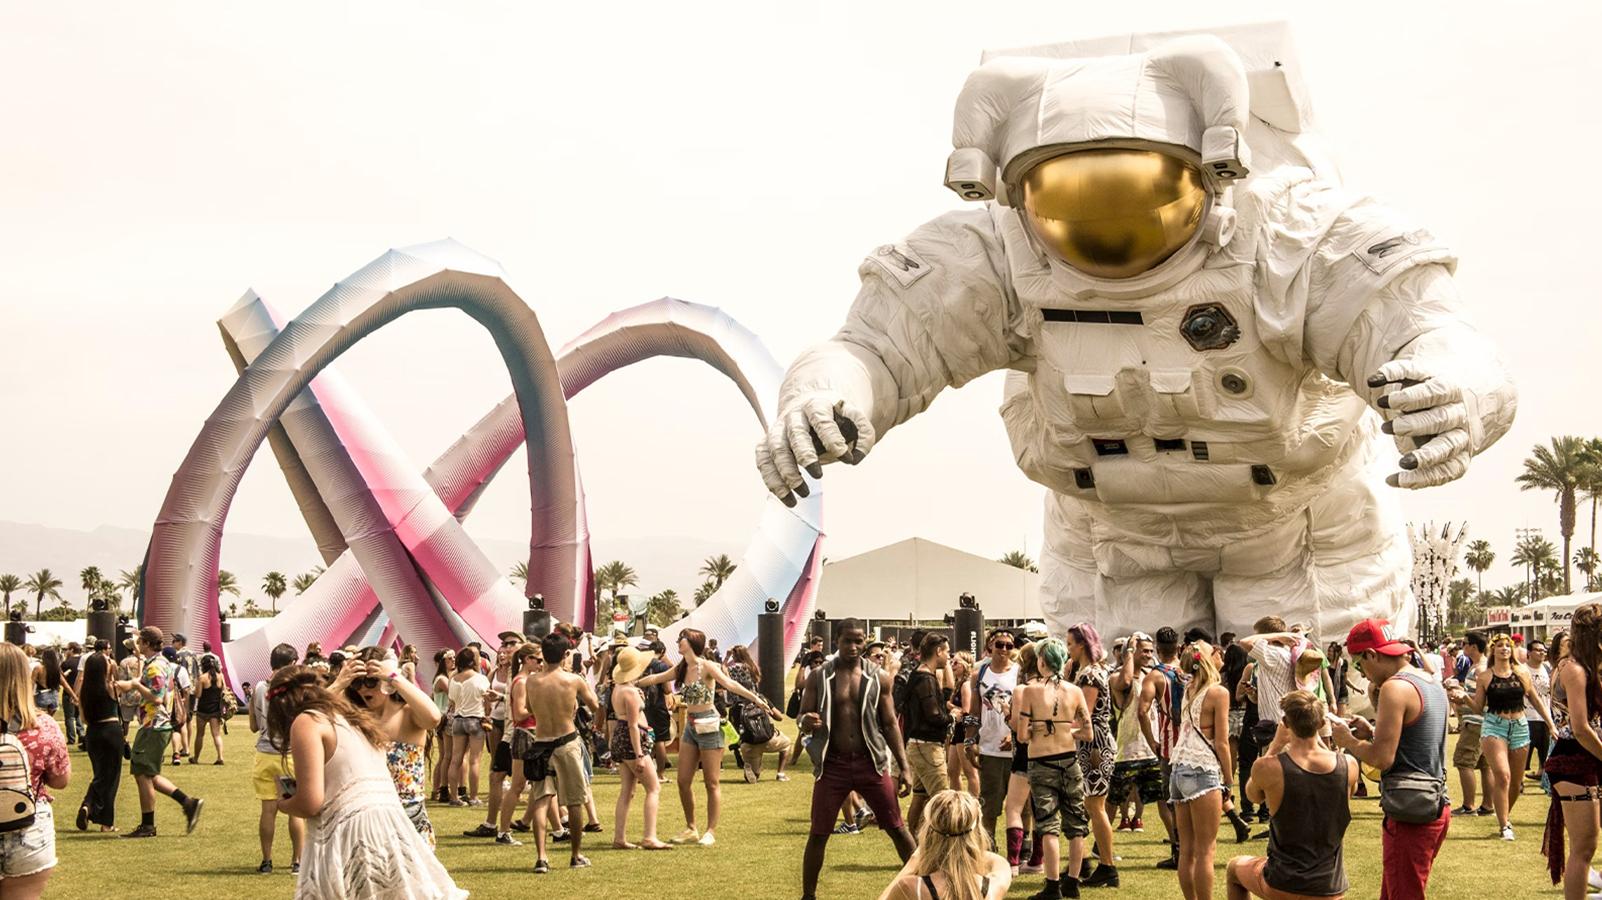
(1114, 213)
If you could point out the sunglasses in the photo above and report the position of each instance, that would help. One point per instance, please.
(1000, 646)
(365, 684)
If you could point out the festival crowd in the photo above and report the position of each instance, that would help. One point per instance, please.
(1015, 764)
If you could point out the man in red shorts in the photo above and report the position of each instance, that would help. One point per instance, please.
(846, 708)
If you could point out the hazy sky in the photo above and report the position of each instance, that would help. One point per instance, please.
(161, 158)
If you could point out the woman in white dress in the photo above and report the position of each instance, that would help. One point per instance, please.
(359, 843)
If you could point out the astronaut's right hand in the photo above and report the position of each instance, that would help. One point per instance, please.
(813, 429)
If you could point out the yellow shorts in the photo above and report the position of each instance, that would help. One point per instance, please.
(264, 772)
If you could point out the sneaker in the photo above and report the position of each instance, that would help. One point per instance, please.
(1104, 876)
(1123, 824)
(1138, 824)
(1507, 832)
(457, 803)
(294, 868)
(781, 777)
(592, 828)
(505, 839)
(1031, 869)
(1484, 811)
(483, 830)
(542, 867)
(142, 831)
(1464, 810)
(1595, 880)
(1015, 870)
(687, 836)
(707, 840)
(847, 828)
(520, 825)
(579, 862)
(192, 814)
(475, 802)
(750, 776)
(83, 818)
(560, 836)
(266, 868)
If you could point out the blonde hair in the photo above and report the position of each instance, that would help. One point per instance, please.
(1197, 662)
(952, 842)
(16, 687)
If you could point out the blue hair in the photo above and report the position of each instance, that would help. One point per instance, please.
(1054, 652)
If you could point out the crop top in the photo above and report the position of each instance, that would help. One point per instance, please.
(1504, 695)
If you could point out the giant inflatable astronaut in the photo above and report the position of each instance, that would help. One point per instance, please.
(1196, 317)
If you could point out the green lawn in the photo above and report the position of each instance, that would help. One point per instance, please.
(758, 854)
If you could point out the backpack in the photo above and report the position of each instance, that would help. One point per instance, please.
(17, 801)
(756, 727)
(898, 691)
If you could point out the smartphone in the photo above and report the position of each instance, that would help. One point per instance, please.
(286, 787)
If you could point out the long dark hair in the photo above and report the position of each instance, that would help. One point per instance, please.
(95, 669)
(299, 689)
(1235, 660)
(697, 639)
(439, 662)
(738, 655)
(51, 660)
(1585, 648)
(364, 656)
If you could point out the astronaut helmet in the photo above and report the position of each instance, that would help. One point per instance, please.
(1119, 167)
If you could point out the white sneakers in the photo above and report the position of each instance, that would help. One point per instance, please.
(1507, 832)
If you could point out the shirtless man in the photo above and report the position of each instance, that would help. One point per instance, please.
(525, 662)
(846, 708)
(555, 767)
(1157, 692)
(1050, 715)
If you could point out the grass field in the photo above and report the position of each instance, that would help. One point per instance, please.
(758, 854)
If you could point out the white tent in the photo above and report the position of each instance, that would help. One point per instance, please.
(1551, 615)
(919, 579)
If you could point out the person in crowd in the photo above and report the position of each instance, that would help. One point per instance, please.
(1467, 758)
(743, 670)
(467, 691)
(657, 714)
(701, 745)
(71, 708)
(952, 861)
(1095, 755)
(960, 768)
(128, 702)
(1407, 743)
(209, 707)
(928, 722)
(806, 664)
(269, 766)
(1241, 748)
(182, 684)
(1272, 648)
(154, 686)
(1503, 690)
(856, 747)
(1339, 668)
(1050, 716)
(47, 682)
(1540, 733)
(1304, 850)
(360, 843)
(1574, 764)
(499, 741)
(371, 681)
(28, 853)
(1161, 693)
(555, 765)
(1017, 806)
(989, 736)
(1201, 774)
(525, 662)
(102, 739)
(444, 668)
(631, 749)
(1137, 774)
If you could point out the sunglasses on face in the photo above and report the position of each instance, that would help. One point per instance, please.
(1000, 646)
(365, 684)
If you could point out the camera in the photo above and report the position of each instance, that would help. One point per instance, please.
(770, 605)
(820, 615)
(536, 602)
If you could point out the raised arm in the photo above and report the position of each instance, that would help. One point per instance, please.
(734, 687)
(1148, 694)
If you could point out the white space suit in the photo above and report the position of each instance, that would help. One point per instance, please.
(1197, 317)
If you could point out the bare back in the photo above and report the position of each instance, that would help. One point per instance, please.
(553, 699)
(1052, 710)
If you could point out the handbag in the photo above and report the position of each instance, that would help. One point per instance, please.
(792, 707)
(1412, 797)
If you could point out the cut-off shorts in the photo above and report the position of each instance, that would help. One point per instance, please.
(1189, 783)
(1516, 732)
(30, 850)
(704, 740)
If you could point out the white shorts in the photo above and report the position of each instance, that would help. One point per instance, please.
(31, 850)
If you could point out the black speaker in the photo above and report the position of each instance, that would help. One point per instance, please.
(968, 631)
(123, 634)
(102, 627)
(770, 657)
(17, 633)
(536, 624)
(821, 627)
(226, 630)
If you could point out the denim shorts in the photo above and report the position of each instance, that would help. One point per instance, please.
(709, 740)
(31, 850)
(1516, 732)
(1191, 782)
(467, 726)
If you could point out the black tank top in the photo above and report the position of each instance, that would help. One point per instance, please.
(1304, 851)
(984, 887)
(1505, 694)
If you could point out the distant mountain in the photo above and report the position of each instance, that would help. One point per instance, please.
(662, 562)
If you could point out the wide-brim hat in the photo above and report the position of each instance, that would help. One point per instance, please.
(631, 664)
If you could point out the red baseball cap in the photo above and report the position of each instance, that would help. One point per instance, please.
(1376, 635)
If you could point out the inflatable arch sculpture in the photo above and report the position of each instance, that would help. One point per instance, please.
(400, 567)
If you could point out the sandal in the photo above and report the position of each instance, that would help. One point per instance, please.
(655, 845)
(624, 846)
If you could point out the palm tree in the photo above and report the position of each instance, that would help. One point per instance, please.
(227, 583)
(1590, 478)
(90, 578)
(1479, 558)
(615, 576)
(717, 569)
(1558, 468)
(9, 583)
(274, 585)
(42, 583)
(520, 572)
(128, 579)
(664, 609)
(1512, 595)
(1536, 554)
(705, 592)
(1586, 560)
(304, 581)
(1018, 560)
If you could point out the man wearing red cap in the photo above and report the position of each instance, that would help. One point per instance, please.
(1407, 742)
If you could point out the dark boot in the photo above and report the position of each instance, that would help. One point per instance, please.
(1104, 876)
(1050, 892)
(1172, 862)
(1069, 886)
(1243, 832)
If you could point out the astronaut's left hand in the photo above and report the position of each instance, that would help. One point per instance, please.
(1441, 420)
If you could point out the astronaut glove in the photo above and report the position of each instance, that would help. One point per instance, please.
(813, 429)
(1438, 426)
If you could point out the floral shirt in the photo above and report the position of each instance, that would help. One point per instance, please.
(47, 752)
(407, 768)
(156, 711)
